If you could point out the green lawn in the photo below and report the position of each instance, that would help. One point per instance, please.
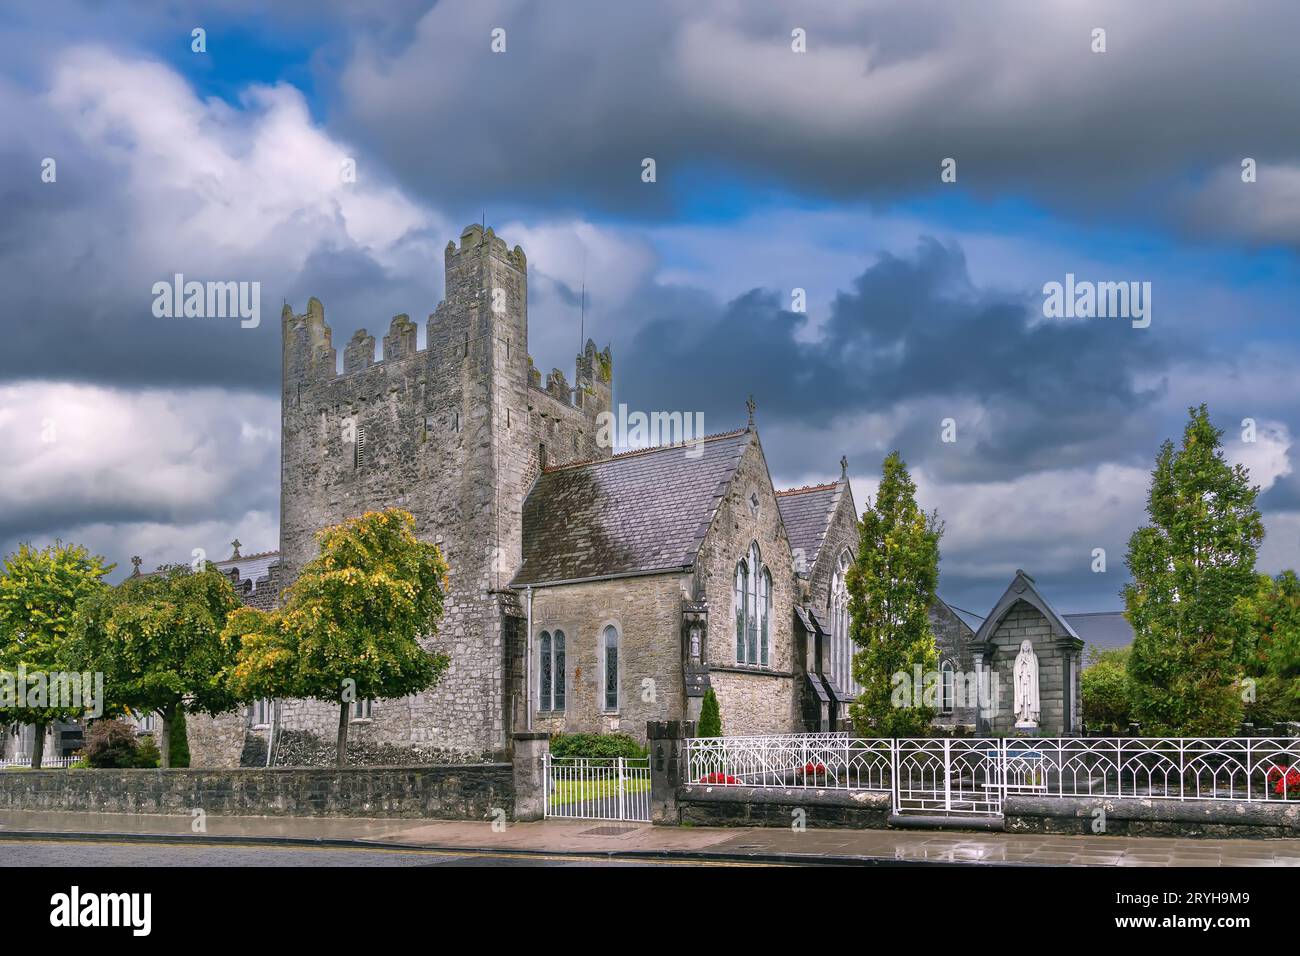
(576, 791)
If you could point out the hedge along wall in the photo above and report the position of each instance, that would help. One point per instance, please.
(460, 792)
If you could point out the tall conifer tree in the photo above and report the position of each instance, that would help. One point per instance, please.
(891, 587)
(1192, 566)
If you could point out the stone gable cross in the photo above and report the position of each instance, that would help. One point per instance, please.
(235, 544)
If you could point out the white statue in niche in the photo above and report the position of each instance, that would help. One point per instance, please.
(1026, 681)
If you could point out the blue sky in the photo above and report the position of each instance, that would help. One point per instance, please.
(776, 170)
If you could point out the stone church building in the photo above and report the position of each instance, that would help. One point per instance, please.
(647, 576)
(588, 591)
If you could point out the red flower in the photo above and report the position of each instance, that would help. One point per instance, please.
(1284, 779)
(717, 777)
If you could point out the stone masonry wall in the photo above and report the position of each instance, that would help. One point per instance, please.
(953, 638)
(470, 792)
(752, 700)
(648, 614)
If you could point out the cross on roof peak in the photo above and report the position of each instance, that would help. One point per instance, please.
(235, 544)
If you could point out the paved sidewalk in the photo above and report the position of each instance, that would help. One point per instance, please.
(621, 839)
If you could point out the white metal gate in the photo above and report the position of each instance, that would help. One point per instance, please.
(598, 788)
(949, 775)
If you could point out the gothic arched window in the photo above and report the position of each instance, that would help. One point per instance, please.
(947, 687)
(551, 671)
(753, 600)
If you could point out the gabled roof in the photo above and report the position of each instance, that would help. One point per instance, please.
(640, 512)
(1023, 589)
(807, 513)
(1104, 630)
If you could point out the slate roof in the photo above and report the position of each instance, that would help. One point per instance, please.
(252, 567)
(1104, 630)
(638, 512)
(806, 514)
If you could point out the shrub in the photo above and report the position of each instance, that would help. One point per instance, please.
(147, 755)
(595, 745)
(179, 748)
(1107, 692)
(1276, 699)
(111, 743)
(710, 716)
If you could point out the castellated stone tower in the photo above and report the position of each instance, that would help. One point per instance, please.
(455, 433)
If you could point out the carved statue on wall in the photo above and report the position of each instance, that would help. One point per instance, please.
(1026, 683)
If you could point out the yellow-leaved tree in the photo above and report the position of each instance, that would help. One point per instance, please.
(349, 628)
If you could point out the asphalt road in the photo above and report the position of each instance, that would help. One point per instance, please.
(26, 853)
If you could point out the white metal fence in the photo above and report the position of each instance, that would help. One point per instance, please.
(47, 762)
(974, 774)
(598, 788)
(815, 761)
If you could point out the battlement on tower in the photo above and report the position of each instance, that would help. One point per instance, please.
(475, 240)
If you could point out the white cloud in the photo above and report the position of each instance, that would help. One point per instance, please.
(207, 179)
(148, 470)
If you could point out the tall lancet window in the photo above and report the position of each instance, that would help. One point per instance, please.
(753, 599)
(551, 672)
(610, 645)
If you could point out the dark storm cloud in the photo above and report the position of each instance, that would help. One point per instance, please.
(1012, 91)
(79, 256)
(912, 330)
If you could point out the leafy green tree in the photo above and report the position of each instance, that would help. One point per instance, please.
(351, 625)
(40, 593)
(1107, 691)
(710, 716)
(891, 586)
(1271, 655)
(1191, 566)
(158, 641)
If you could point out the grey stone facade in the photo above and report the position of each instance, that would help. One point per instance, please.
(646, 611)
(954, 640)
(454, 433)
(752, 699)
(1024, 614)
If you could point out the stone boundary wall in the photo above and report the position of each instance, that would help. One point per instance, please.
(703, 805)
(706, 806)
(462, 792)
(1216, 819)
